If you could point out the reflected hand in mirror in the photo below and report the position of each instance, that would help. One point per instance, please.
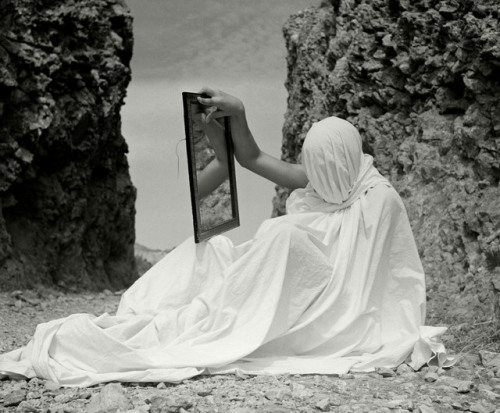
(212, 178)
(213, 174)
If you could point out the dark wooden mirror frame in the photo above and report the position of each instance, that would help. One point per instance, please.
(200, 234)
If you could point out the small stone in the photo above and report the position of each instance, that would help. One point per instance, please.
(431, 377)
(489, 359)
(278, 394)
(35, 381)
(482, 387)
(64, 398)
(240, 375)
(52, 386)
(478, 408)
(323, 404)
(385, 372)
(32, 395)
(399, 403)
(160, 404)
(161, 386)
(468, 361)
(273, 409)
(299, 391)
(433, 369)
(347, 376)
(458, 406)
(14, 398)
(423, 408)
(204, 391)
(111, 397)
(488, 394)
(464, 386)
(404, 369)
(27, 407)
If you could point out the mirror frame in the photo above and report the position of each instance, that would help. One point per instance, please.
(188, 99)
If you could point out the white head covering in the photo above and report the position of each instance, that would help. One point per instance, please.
(338, 171)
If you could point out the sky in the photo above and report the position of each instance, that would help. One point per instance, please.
(183, 45)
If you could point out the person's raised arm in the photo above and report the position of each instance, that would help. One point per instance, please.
(246, 150)
(215, 172)
(213, 175)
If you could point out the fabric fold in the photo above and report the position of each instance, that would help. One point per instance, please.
(335, 285)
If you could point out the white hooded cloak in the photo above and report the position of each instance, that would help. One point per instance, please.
(335, 285)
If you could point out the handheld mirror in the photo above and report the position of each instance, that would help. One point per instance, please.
(212, 179)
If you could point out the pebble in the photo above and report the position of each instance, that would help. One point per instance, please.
(479, 408)
(458, 406)
(404, 369)
(464, 387)
(111, 397)
(323, 404)
(488, 394)
(423, 408)
(14, 398)
(431, 377)
(299, 391)
(160, 404)
(278, 394)
(27, 407)
(489, 359)
(241, 376)
(204, 391)
(385, 372)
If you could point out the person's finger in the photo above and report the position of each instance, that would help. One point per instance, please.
(215, 115)
(205, 101)
(208, 91)
(208, 111)
(209, 95)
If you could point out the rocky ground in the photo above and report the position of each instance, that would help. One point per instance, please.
(472, 385)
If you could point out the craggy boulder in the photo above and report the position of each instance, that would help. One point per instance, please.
(66, 199)
(421, 81)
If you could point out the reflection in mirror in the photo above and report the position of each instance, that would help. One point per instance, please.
(211, 171)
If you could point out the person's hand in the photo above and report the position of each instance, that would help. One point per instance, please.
(221, 103)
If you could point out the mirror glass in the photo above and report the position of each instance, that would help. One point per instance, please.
(211, 171)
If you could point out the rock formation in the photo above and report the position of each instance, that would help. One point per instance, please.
(66, 199)
(421, 81)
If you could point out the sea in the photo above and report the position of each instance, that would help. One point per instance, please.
(182, 45)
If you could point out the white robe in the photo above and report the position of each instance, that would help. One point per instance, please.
(336, 285)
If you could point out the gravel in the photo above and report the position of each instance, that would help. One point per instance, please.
(472, 385)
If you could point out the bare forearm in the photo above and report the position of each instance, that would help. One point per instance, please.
(246, 150)
(281, 173)
(249, 155)
(214, 174)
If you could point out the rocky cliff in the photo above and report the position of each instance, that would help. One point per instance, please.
(421, 81)
(66, 199)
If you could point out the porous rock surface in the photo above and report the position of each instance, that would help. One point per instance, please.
(421, 81)
(66, 199)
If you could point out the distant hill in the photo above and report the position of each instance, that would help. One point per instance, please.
(146, 257)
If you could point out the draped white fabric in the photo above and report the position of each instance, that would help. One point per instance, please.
(335, 285)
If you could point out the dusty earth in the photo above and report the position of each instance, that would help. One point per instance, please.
(472, 385)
